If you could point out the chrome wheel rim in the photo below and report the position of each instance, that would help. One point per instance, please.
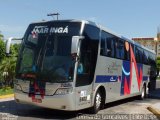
(142, 95)
(98, 101)
(147, 90)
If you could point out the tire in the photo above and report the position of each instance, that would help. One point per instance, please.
(97, 103)
(143, 93)
(147, 92)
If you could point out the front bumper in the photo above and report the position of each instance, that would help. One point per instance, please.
(59, 102)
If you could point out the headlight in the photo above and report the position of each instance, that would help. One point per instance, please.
(17, 87)
(63, 91)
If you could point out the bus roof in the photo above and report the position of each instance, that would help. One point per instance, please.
(100, 27)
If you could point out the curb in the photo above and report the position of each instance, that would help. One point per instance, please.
(155, 111)
(6, 96)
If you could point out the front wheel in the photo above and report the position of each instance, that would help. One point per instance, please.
(97, 103)
(143, 93)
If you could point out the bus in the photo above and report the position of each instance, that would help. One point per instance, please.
(77, 64)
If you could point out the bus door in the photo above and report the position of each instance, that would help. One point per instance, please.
(85, 73)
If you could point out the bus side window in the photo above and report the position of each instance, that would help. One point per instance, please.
(137, 55)
(102, 47)
(119, 47)
(103, 44)
(126, 51)
(140, 55)
(110, 48)
(145, 57)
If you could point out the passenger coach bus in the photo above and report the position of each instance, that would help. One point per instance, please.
(77, 64)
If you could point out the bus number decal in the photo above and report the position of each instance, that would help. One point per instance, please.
(84, 96)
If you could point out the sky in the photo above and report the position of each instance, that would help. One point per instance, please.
(130, 18)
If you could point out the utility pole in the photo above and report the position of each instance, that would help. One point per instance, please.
(158, 40)
(158, 33)
(54, 14)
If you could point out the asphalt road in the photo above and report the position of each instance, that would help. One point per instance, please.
(10, 110)
(158, 84)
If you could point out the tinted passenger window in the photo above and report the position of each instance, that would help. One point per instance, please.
(88, 56)
(119, 47)
(145, 57)
(103, 44)
(110, 47)
(126, 51)
(107, 44)
(152, 59)
(139, 55)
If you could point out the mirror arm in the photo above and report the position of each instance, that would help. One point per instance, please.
(8, 45)
(78, 58)
(75, 57)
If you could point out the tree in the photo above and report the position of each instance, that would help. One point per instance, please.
(2, 48)
(8, 64)
(8, 68)
(158, 62)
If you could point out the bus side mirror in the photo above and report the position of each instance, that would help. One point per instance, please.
(75, 43)
(8, 44)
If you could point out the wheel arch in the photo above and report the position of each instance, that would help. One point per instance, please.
(144, 84)
(103, 93)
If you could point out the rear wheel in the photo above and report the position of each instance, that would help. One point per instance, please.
(143, 93)
(97, 103)
(147, 92)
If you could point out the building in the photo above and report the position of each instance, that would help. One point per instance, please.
(151, 43)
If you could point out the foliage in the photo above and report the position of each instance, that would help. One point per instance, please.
(6, 91)
(2, 50)
(158, 58)
(158, 62)
(7, 64)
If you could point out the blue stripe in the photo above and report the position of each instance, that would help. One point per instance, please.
(125, 72)
(104, 78)
(145, 78)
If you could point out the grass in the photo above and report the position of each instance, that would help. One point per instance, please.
(158, 78)
(6, 91)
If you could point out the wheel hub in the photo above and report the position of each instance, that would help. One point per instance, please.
(98, 101)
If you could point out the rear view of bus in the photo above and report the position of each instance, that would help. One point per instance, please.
(49, 70)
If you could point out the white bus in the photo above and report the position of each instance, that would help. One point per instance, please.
(77, 64)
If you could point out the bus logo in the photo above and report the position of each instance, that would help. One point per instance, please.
(45, 30)
(59, 29)
(40, 29)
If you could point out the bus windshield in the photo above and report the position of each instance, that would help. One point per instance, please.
(46, 56)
